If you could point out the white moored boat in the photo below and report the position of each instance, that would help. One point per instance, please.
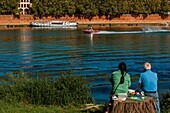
(54, 24)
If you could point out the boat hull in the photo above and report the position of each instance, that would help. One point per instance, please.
(54, 24)
(90, 31)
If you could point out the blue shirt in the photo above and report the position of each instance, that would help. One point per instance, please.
(148, 79)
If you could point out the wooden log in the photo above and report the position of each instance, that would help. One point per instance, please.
(148, 105)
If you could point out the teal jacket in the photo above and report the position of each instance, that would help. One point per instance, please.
(115, 80)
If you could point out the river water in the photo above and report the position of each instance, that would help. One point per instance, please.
(53, 51)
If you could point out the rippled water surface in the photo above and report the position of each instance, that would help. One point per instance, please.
(53, 51)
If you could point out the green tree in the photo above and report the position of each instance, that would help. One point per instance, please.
(9, 7)
(108, 8)
(155, 6)
(59, 8)
(136, 7)
(89, 9)
(124, 7)
(165, 6)
(147, 8)
(69, 7)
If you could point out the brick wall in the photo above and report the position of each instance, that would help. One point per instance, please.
(127, 18)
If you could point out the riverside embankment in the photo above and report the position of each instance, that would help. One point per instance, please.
(125, 20)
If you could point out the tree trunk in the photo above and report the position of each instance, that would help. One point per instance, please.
(148, 105)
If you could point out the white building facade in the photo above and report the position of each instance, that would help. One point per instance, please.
(24, 6)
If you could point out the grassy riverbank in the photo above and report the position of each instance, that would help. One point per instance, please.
(29, 108)
(7, 107)
(20, 92)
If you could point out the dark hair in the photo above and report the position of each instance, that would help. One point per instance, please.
(122, 68)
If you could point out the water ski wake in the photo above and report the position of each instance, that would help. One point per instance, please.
(144, 30)
(154, 30)
(114, 32)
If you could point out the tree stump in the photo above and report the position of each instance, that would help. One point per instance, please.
(148, 105)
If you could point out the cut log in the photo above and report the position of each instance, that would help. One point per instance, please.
(148, 105)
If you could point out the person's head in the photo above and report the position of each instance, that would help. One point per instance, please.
(147, 66)
(122, 66)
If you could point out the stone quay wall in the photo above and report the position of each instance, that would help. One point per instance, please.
(123, 19)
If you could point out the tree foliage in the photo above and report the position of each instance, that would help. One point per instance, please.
(9, 6)
(88, 8)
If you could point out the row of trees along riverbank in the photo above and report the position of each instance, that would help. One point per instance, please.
(88, 8)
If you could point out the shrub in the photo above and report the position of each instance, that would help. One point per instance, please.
(165, 102)
(64, 90)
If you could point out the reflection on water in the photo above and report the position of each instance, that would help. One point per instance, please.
(26, 48)
(95, 56)
(90, 36)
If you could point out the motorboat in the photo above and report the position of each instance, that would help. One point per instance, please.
(54, 24)
(90, 30)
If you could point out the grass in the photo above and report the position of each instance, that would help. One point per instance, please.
(15, 107)
(64, 90)
(22, 93)
(29, 108)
